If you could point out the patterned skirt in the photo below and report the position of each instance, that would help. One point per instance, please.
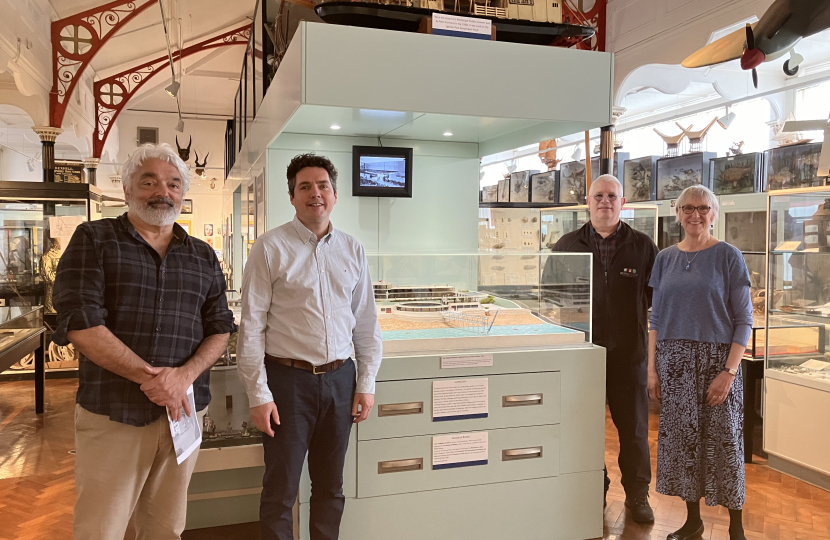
(700, 449)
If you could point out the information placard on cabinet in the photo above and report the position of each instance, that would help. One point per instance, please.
(459, 399)
(459, 450)
(466, 361)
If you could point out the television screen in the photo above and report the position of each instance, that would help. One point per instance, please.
(382, 171)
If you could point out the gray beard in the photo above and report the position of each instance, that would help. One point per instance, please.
(159, 217)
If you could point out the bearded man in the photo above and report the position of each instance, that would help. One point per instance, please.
(145, 305)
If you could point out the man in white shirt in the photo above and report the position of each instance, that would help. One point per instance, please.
(306, 298)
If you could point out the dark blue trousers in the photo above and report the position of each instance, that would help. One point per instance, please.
(315, 419)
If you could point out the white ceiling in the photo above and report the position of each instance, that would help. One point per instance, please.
(207, 88)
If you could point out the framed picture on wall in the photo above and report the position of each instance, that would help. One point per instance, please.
(208, 229)
(185, 224)
(187, 206)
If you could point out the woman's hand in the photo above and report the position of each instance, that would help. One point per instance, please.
(653, 385)
(719, 388)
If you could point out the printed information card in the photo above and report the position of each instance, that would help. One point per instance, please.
(466, 27)
(459, 450)
(466, 361)
(459, 399)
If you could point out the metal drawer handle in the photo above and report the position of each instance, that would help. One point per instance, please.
(521, 453)
(519, 401)
(398, 409)
(400, 465)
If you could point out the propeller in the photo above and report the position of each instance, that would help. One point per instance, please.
(752, 57)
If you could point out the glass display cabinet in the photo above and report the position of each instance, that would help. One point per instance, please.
(797, 366)
(444, 303)
(557, 222)
(38, 220)
(508, 229)
(21, 344)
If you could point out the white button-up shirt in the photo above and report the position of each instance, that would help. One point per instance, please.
(308, 300)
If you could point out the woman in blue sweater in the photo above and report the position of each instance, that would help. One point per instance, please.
(701, 320)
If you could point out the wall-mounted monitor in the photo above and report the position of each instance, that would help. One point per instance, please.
(381, 171)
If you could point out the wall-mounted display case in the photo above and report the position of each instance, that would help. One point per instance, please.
(557, 222)
(674, 174)
(571, 182)
(793, 166)
(733, 175)
(637, 179)
(508, 229)
(797, 374)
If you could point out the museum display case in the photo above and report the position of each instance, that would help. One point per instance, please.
(742, 222)
(741, 173)
(797, 374)
(793, 166)
(674, 174)
(508, 229)
(21, 343)
(557, 222)
(38, 220)
(637, 179)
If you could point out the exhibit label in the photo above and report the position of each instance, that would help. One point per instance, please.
(459, 399)
(466, 361)
(459, 450)
(70, 172)
(466, 27)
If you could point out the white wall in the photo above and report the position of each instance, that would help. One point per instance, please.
(441, 216)
(13, 167)
(208, 137)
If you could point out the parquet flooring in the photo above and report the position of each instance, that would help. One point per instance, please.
(37, 488)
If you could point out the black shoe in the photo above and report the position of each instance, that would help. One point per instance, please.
(640, 510)
(678, 535)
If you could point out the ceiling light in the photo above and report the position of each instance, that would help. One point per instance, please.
(335, 127)
(448, 134)
(180, 125)
(577, 155)
(725, 121)
(173, 88)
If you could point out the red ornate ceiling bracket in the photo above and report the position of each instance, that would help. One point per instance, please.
(75, 42)
(587, 13)
(113, 93)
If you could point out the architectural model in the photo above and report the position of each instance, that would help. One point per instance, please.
(438, 317)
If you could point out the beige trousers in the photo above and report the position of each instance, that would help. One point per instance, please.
(124, 472)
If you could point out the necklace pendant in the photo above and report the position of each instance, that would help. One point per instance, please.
(687, 266)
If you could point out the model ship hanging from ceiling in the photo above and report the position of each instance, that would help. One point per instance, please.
(536, 22)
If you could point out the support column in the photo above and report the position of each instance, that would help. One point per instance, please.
(47, 136)
(91, 165)
(606, 150)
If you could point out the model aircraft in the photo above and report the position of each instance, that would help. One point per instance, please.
(780, 28)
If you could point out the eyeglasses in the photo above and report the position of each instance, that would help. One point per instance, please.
(611, 197)
(689, 209)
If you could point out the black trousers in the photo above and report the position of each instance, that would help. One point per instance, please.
(315, 418)
(626, 388)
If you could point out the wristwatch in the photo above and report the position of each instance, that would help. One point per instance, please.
(732, 372)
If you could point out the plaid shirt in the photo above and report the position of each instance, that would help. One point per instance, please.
(162, 309)
(606, 246)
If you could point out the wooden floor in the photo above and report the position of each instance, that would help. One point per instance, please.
(37, 488)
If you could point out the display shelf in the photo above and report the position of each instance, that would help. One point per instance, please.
(557, 222)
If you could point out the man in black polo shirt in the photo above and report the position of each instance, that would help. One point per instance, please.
(623, 259)
(145, 305)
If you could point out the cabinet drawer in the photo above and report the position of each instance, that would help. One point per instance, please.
(391, 466)
(404, 408)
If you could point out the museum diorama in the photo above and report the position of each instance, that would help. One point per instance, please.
(557, 222)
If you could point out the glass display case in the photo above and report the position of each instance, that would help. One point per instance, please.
(557, 222)
(17, 324)
(38, 220)
(444, 303)
(798, 285)
(508, 229)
